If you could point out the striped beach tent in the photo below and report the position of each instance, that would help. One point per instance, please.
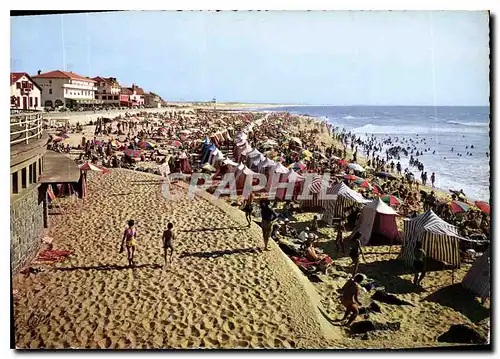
(478, 278)
(346, 197)
(440, 240)
(313, 191)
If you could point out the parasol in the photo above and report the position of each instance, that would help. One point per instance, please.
(483, 206)
(459, 207)
(356, 167)
(392, 200)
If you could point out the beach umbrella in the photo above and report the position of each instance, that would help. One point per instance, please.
(363, 183)
(208, 167)
(297, 166)
(146, 145)
(133, 153)
(483, 206)
(351, 177)
(342, 162)
(87, 166)
(458, 207)
(392, 200)
(306, 153)
(174, 143)
(356, 167)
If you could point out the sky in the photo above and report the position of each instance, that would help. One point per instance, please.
(293, 57)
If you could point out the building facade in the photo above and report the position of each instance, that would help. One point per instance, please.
(108, 91)
(62, 88)
(25, 94)
(132, 96)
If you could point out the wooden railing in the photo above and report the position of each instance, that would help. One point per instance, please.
(25, 127)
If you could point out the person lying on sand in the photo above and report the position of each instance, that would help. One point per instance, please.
(129, 236)
(350, 298)
(168, 242)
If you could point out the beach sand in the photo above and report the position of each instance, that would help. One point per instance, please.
(237, 298)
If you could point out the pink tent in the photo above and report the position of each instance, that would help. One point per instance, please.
(377, 224)
(242, 175)
(184, 163)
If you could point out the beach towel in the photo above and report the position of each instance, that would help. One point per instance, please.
(306, 264)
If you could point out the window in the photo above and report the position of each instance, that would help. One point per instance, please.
(36, 102)
(34, 173)
(50, 91)
(50, 81)
(18, 85)
(31, 101)
(96, 96)
(23, 178)
(15, 186)
(104, 91)
(116, 98)
(39, 166)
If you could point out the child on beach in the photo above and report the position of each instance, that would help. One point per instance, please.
(168, 242)
(128, 239)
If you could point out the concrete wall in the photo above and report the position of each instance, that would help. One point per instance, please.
(26, 228)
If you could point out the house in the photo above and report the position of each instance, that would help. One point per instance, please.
(152, 100)
(25, 94)
(108, 91)
(63, 88)
(132, 96)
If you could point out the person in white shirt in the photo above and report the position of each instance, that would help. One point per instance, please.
(304, 235)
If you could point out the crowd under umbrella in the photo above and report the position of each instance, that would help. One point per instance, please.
(146, 145)
(356, 167)
(351, 177)
(363, 183)
(392, 200)
(483, 206)
(459, 207)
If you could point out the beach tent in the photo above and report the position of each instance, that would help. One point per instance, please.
(346, 197)
(242, 176)
(215, 156)
(184, 164)
(314, 191)
(278, 174)
(244, 153)
(265, 166)
(206, 150)
(440, 240)
(239, 148)
(377, 224)
(478, 278)
(253, 158)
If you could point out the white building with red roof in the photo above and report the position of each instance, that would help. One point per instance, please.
(25, 94)
(65, 88)
(108, 91)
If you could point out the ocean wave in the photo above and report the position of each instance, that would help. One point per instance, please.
(410, 130)
(349, 117)
(473, 124)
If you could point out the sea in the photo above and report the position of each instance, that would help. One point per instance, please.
(436, 129)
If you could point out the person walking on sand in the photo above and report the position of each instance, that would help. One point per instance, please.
(433, 179)
(129, 241)
(356, 251)
(418, 264)
(350, 298)
(248, 208)
(268, 216)
(168, 242)
(339, 241)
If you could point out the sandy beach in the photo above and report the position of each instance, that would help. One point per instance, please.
(220, 293)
